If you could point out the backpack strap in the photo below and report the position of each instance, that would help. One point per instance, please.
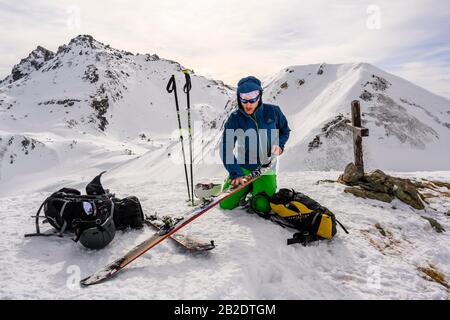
(63, 228)
(342, 226)
(61, 212)
(301, 237)
(38, 232)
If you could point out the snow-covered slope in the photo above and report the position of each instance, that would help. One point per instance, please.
(66, 116)
(381, 258)
(409, 127)
(95, 106)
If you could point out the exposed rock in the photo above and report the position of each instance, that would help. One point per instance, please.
(320, 70)
(65, 102)
(83, 41)
(314, 144)
(426, 111)
(397, 122)
(325, 181)
(153, 57)
(100, 103)
(91, 74)
(333, 128)
(351, 174)
(366, 96)
(337, 123)
(378, 83)
(434, 224)
(441, 184)
(378, 181)
(380, 228)
(366, 194)
(380, 186)
(35, 60)
(432, 274)
(407, 192)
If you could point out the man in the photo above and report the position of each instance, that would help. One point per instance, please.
(260, 131)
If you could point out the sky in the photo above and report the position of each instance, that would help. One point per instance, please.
(229, 39)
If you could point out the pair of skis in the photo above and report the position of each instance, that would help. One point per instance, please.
(163, 233)
(185, 242)
(172, 87)
(204, 192)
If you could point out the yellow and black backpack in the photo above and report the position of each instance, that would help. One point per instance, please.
(296, 210)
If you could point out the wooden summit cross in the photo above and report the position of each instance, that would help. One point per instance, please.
(358, 133)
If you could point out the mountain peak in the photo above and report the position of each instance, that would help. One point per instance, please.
(34, 61)
(84, 41)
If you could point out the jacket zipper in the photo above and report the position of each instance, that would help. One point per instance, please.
(257, 135)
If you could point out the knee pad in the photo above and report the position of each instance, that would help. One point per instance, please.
(260, 202)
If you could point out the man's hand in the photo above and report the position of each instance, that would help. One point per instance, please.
(276, 150)
(238, 181)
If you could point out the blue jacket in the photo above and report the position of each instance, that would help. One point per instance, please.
(266, 127)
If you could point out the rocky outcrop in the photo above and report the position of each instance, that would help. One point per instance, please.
(381, 186)
(333, 128)
(100, 103)
(351, 174)
(35, 60)
(378, 83)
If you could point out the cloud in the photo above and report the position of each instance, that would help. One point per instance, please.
(433, 76)
(228, 39)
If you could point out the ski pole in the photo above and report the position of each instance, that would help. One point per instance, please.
(187, 87)
(172, 87)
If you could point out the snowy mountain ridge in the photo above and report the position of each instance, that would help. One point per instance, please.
(34, 61)
(66, 116)
(89, 96)
(406, 122)
(90, 93)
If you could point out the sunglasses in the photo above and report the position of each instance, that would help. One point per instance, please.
(249, 100)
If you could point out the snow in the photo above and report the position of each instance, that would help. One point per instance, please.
(251, 259)
(50, 137)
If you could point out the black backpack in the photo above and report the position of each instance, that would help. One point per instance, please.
(93, 217)
(128, 213)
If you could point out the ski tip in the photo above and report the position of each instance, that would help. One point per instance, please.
(86, 282)
(201, 248)
(100, 276)
(89, 281)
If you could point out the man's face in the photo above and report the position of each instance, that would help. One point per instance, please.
(249, 107)
(250, 101)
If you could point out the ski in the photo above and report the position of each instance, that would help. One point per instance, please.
(113, 268)
(188, 243)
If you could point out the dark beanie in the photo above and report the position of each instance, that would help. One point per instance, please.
(248, 84)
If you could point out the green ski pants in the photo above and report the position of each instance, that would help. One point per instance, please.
(267, 184)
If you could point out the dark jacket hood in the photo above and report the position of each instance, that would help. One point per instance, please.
(249, 84)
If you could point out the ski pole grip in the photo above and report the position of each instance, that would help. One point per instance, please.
(171, 84)
(188, 86)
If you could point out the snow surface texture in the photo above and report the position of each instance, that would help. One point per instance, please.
(66, 116)
(251, 260)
